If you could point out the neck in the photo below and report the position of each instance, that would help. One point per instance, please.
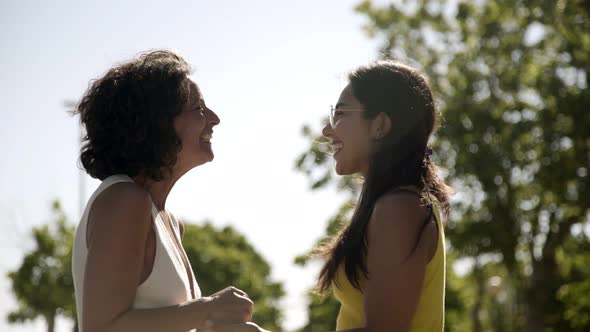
(158, 190)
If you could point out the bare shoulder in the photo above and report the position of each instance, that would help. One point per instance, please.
(123, 194)
(119, 208)
(402, 209)
(398, 221)
(118, 228)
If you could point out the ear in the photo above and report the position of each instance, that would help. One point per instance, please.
(380, 126)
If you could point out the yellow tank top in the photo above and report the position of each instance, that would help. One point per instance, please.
(430, 312)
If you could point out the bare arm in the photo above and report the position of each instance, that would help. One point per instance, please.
(118, 226)
(399, 248)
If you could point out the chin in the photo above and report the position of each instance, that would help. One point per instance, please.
(206, 156)
(202, 159)
(342, 170)
(210, 157)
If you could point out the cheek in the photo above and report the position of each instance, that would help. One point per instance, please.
(182, 130)
(189, 139)
(192, 126)
(355, 141)
(360, 152)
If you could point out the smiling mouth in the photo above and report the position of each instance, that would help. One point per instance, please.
(206, 138)
(336, 147)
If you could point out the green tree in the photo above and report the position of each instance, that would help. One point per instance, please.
(43, 284)
(322, 312)
(511, 80)
(323, 309)
(574, 263)
(458, 294)
(224, 257)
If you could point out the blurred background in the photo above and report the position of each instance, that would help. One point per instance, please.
(511, 80)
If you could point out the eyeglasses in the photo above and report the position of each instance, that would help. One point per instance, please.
(335, 113)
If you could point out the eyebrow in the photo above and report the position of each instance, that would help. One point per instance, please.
(340, 105)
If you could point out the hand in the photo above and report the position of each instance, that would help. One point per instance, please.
(241, 327)
(228, 306)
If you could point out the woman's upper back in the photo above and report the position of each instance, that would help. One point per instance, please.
(429, 314)
(168, 282)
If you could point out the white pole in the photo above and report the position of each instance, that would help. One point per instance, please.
(71, 105)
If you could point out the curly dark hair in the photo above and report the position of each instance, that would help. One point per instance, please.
(128, 115)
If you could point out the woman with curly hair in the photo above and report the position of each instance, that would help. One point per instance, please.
(147, 124)
(387, 266)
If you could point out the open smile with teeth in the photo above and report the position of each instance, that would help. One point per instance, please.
(336, 147)
(206, 137)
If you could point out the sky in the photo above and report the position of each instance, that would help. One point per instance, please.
(265, 67)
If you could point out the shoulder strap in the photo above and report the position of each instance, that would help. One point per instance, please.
(109, 181)
(174, 222)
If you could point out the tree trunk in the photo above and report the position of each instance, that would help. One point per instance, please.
(534, 317)
(545, 278)
(543, 281)
(50, 320)
(480, 290)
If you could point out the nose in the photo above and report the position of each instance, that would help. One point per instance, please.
(328, 131)
(212, 118)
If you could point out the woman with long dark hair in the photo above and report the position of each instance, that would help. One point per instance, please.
(387, 266)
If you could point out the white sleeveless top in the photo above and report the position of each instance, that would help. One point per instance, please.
(167, 284)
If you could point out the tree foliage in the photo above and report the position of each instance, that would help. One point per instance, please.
(43, 285)
(224, 257)
(511, 80)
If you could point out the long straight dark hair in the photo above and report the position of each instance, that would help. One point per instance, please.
(399, 159)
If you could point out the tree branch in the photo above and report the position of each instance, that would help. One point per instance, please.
(554, 239)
